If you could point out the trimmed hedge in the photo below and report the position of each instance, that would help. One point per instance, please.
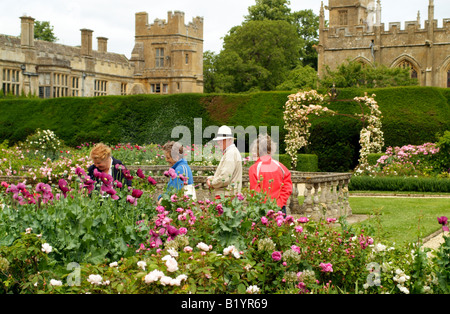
(411, 115)
(400, 184)
(305, 162)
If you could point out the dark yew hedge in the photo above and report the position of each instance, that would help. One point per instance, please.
(411, 115)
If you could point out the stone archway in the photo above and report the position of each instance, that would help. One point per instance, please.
(444, 73)
(136, 89)
(406, 61)
(363, 61)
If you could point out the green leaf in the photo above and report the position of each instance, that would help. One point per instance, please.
(241, 289)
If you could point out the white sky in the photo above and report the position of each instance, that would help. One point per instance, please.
(115, 19)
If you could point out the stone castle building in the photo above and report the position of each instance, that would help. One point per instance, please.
(355, 32)
(167, 58)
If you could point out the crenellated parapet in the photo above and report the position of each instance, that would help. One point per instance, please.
(355, 32)
(174, 25)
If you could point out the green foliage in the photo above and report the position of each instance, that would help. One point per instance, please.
(44, 31)
(305, 162)
(257, 55)
(21, 262)
(399, 184)
(411, 115)
(302, 77)
(373, 158)
(305, 22)
(442, 159)
(354, 74)
(442, 262)
(80, 228)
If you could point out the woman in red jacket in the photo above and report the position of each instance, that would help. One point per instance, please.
(268, 175)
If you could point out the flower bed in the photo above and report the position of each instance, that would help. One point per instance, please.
(76, 239)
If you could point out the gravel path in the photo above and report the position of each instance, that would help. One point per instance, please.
(435, 241)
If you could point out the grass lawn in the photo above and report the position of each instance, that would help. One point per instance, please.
(401, 219)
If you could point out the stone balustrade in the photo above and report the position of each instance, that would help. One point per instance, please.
(325, 194)
(315, 194)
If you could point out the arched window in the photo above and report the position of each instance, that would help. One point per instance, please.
(448, 79)
(405, 64)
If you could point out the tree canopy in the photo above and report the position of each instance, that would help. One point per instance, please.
(260, 53)
(257, 55)
(44, 31)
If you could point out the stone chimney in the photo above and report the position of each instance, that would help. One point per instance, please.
(86, 42)
(102, 44)
(27, 32)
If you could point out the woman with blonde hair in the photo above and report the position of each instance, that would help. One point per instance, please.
(268, 175)
(105, 163)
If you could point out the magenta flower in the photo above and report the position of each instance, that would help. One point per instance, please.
(131, 200)
(110, 191)
(89, 184)
(326, 268)
(303, 220)
(118, 184)
(80, 173)
(276, 256)
(443, 221)
(172, 231)
(151, 180)
(183, 178)
(126, 173)
(170, 173)
(136, 193)
(219, 209)
(42, 187)
(264, 220)
(63, 186)
(240, 196)
(106, 178)
(140, 173)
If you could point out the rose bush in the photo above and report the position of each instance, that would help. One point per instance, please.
(302, 104)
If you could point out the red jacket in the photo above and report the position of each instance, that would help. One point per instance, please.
(279, 176)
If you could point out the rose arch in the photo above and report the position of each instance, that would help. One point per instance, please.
(299, 106)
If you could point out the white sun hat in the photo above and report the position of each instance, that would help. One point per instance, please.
(223, 133)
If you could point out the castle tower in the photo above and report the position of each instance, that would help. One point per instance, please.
(351, 13)
(168, 55)
(355, 33)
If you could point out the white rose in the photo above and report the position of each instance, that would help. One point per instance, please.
(46, 248)
(54, 282)
(142, 264)
(113, 264)
(202, 246)
(172, 265)
(95, 279)
(165, 280)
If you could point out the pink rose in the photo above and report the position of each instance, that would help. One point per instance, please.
(276, 256)
(326, 268)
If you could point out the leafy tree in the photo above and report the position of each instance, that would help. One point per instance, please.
(209, 71)
(305, 21)
(257, 56)
(302, 77)
(44, 31)
(269, 10)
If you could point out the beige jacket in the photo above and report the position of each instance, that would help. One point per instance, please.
(227, 179)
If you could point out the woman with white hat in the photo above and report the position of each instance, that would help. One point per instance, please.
(227, 179)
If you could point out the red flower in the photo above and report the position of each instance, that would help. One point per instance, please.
(137, 193)
(151, 180)
(140, 173)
